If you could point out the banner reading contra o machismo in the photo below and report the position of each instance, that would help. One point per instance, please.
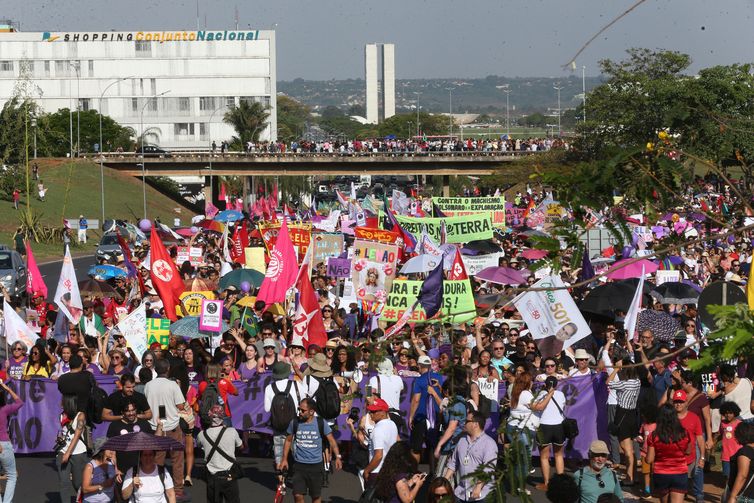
(460, 206)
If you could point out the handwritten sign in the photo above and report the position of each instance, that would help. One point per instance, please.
(488, 389)
(338, 267)
(158, 330)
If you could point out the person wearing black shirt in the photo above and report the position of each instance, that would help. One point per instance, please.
(129, 422)
(116, 402)
(77, 382)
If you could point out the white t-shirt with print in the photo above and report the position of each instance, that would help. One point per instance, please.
(151, 490)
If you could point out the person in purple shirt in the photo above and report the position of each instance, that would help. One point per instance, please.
(7, 458)
(248, 368)
(17, 361)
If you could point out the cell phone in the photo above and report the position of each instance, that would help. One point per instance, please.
(161, 412)
(369, 390)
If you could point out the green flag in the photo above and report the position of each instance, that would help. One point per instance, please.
(249, 322)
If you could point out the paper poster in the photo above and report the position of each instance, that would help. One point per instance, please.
(134, 329)
(300, 234)
(475, 263)
(211, 317)
(380, 235)
(460, 206)
(338, 267)
(488, 389)
(665, 276)
(459, 229)
(458, 301)
(373, 269)
(255, 259)
(326, 245)
(192, 302)
(158, 330)
(191, 254)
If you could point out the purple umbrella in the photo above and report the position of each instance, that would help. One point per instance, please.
(501, 275)
(140, 441)
(692, 285)
(662, 325)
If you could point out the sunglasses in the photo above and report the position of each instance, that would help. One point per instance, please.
(329, 350)
(599, 479)
(17, 349)
(582, 359)
(327, 311)
(550, 365)
(497, 349)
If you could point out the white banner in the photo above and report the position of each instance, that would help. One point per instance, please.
(16, 329)
(67, 296)
(134, 329)
(665, 276)
(488, 389)
(474, 264)
(210, 318)
(552, 317)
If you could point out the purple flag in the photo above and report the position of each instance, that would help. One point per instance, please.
(587, 271)
(430, 295)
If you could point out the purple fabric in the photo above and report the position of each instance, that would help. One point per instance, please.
(245, 373)
(5, 411)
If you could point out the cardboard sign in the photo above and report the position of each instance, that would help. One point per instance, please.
(134, 330)
(192, 301)
(158, 330)
(460, 206)
(373, 269)
(379, 235)
(255, 259)
(211, 317)
(458, 301)
(665, 276)
(459, 229)
(193, 255)
(488, 389)
(338, 267)
(300, 234)
(326, 245)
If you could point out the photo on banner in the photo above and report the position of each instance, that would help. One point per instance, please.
(373, 269)
(552, 316)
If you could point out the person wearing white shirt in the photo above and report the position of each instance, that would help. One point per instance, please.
(582, 364)
(384, 435)
(150, 484)
(612, 401)
(550, 436)
(387, 385)
(281, 375)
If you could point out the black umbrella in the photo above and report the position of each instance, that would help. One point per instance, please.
(482, 246)
(662, 325)
(673, 292)
(608, 298)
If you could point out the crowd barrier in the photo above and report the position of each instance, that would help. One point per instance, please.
(34, 428)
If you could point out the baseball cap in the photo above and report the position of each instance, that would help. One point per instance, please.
(424, 360)
(269, 343)
(378, 405)
(598, 447)
(679, 396)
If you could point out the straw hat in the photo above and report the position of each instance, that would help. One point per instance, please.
(318, 366)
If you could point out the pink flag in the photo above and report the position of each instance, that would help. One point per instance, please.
(34, 282)
(239, 204)
(281, 271)
(210, 210)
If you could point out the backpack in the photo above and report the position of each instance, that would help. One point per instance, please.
(327, 397)
(283, 410)
(97, 400)
(210, 398)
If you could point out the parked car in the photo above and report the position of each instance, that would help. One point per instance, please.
(108, 249)
(12, 272)
(153, 151)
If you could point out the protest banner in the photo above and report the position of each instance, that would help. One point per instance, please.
(300, 234)
(552, 316)
(158, 330)
(338, 267)
(710, 382)
(514, 215)
(326, 245)
(488, 388)
(191, 254)
(475, 263)
(665, 276)
(461, 206)
(373, 269)
(255, 259)
(458, 229)
(210, 318)
(134, 329)
(192, 302)
(457, 301)
(380, 235)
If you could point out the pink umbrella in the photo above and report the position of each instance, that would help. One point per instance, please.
(185, 232)
(631, 268)
(531, 254)
(501, 275)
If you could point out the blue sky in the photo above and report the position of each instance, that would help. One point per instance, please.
(434, 38)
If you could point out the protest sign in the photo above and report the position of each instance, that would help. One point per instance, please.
(300, 234)
(134, 329)
(338, 267)
(210, 318)
(373, 269)
(710, 383)
(380, 235)
(192, 302)
(158, 330)
(255, 259)
(457, 301)
(488, 388)
(665, 276)
(326, 245)
(552, 316)
(191, 254)
(459, 229)
(461, 206)
(475, 263)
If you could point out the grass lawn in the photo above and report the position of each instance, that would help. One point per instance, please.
(74, 189)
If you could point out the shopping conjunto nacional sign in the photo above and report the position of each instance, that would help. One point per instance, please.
(151, 36)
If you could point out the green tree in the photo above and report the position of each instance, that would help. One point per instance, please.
(15, 117)
(402, 125)
(345, 126)
(534, 120)
(331, 112)
(248, 119)
(53, 136)
(292, 118)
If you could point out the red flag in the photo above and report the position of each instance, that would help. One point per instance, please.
(457, 270)
(236, 251)
(705, 208)
(307, 322)
(274, 195)
(223, 196)
(281, 271)
(165, 276)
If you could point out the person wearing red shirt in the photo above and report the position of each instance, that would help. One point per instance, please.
(693, 426)
(225, 386)
(669, 446)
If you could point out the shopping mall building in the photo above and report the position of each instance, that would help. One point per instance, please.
(195, 76)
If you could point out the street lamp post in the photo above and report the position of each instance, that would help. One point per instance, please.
(583, 90)
(450, 113)
(77, 67)
(101, 159)
(558, 88)
(209, 133)
(417, 112)
(143, 159)
(506, 89)
(34, 125)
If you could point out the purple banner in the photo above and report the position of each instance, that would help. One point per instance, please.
(339, 267)
(36, 425)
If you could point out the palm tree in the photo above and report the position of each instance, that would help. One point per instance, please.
(150, 136)
(248, 119)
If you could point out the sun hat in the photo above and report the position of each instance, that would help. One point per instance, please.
(424, 360)
(318, 366)
(269, 343)
(281, 370)
(598, 447)
(581, 354)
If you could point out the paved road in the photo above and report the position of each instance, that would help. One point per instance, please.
(51, 272)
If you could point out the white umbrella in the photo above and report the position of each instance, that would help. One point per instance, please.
(421, 263)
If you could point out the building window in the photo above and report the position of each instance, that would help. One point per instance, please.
(153, 85)
(152, 104)
(47, 68)
(207, 103)
(183, 129)
(85, 104)
(184, 104)
(62, 69)
(143, 48)
(6, 66)
(135, 105)
(91, 67)
(203, 130)
(230, 102)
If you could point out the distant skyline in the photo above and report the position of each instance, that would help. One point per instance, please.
(433, 39)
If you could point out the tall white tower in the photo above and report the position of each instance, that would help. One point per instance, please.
(371, 55)
(388, 80)
(370, 60)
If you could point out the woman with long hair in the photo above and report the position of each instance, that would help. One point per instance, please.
(7, 458)
(669, 445)
(484, 368)
(625, 423)
(522, 424)
(61, 367)
(70, 448)
(742, 466)
(440, 490)
(194, 367)
(100, 474)
(40, 363)
(399, 480)
(147, 361)
(248, 367)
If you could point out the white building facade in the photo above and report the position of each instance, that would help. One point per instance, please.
(195, 75)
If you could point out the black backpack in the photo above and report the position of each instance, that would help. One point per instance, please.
(283, 410)
(327, 397)
(210, 397)
(97, 401)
